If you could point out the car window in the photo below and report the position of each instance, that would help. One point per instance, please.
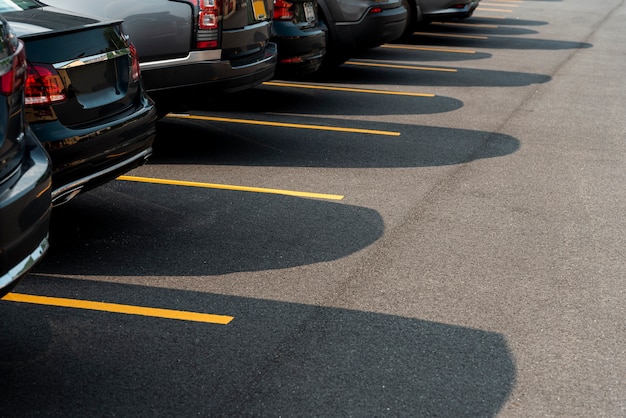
(14, 5)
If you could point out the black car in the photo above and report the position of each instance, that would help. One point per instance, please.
(300, 36)
(84, 96)
(192, 47)
(25, 182)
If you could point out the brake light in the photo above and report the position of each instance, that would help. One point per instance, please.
(135, 71)
(376, 10)
(208, 24)
(44, 85)
(14, 75)
(283, 10)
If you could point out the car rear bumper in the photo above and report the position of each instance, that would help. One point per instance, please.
(451, 13)
(373, 30)
(25, 210)
(299, 51)
(86, 158)
(207, 70)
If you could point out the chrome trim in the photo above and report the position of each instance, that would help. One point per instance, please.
(67, 190)
(79, 62)
(191, 58)
(25, 265)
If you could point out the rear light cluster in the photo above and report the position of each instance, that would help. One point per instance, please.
(44, 85)
(208, 24)
(283, 10)
(135, 71)
(12, 77)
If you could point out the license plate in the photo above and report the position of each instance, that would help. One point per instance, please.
(259, 9)
(309, 11)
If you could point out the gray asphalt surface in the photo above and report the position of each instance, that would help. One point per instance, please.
(474, 267)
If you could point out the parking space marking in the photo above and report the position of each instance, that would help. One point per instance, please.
(485, 9)
(117, 308)
(231, 187)
(501, 4)
(469, 25)
(428, 48)
(283, 125)
(347, 89)
(402, 67)
(449, 35)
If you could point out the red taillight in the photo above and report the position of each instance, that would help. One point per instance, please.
(458, 6)
(135, 71)
(283, 10)
(15, 76)
(208, 24)
(44, 85)
(209, 14)
(376, 10)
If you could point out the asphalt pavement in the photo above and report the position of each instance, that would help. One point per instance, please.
(436, 228)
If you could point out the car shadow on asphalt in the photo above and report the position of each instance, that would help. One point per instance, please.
(358, 71)
(200, 142)
(274, 359)
(135, 229)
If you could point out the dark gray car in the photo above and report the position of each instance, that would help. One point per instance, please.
(355, 25)
(192, 46)
(426, 11)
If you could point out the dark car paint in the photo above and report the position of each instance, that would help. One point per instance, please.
(351, 26)
(163, 32)
(422, 12)
(301, 44)
(25, 183)
(107, 125)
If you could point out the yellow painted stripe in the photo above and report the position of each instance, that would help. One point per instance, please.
(491, 17)
(485, 9)
(284, 125)
(501, 4)
(448, 35)
(347, 89)
(403, 67)
(230, 187)
(117, 308)
(469, 25)
(428, 48)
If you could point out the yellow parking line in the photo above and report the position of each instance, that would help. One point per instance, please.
(428, 48)
(284, 125)
(449, 35)
(501, 4)
(485, 9)
(403, 67)
(469, 25)
(347, 89)
(117, 308)
(231, 187)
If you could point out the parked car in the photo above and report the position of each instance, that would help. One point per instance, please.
(84, 97)
(425, 11)
(25, 201)
(300, 36)
(355, 25)
(192, 47)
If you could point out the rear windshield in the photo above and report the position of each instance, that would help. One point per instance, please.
(15, 5)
